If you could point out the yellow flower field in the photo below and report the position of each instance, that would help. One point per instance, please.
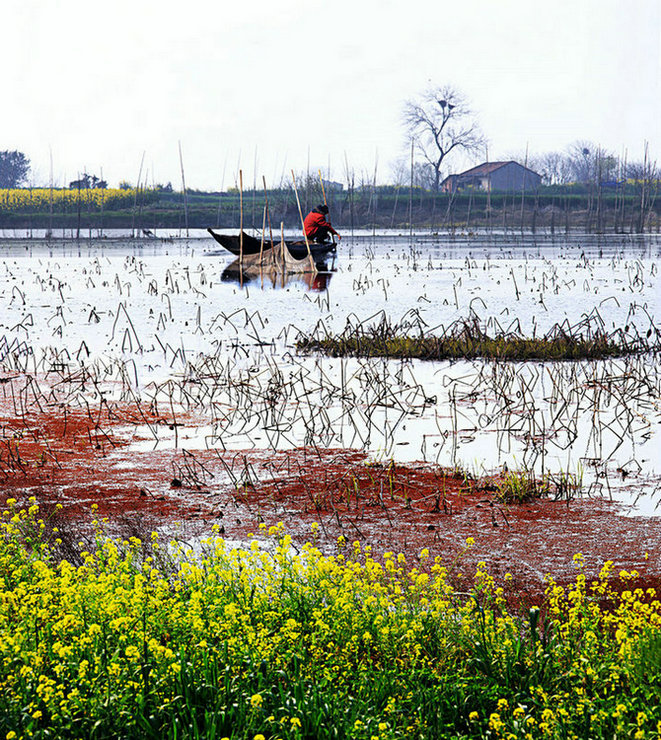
(144, 640)
(41, 199)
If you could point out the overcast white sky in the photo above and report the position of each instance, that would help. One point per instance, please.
(284, 82)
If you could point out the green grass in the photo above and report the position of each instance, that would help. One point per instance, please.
(522, 486)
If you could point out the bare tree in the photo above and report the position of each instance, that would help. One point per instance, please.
(423, 173)
(440, 121)
(554, 167)
(399, 172)
(637, 171)
(591, 163)
(580, 155)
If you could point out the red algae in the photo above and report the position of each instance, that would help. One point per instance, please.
(82, 457)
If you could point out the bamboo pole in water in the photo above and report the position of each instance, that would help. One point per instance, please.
(268, 213)
(183, 184)
(254, 189)
(135, 193)
(261, 247)
(241, 219)
(103, 192)
(323, 192)
(411, 197)
(643, 190)
(300, 213)
(489, 226)
(374, 195)
(620, 217)
(261, 243)
(523, 187)
(350, 188)
(599, 190)
(50, 197)
(220, 195)
(77, 206)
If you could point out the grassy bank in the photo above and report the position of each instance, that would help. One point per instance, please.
(558, 209)
(273, 642)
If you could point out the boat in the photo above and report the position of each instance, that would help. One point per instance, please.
(251, 246)
(256, 273)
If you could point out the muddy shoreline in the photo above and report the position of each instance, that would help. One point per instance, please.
(87, 462)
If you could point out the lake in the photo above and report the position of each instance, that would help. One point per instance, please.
(164, 319)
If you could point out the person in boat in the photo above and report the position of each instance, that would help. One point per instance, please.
(317, 228)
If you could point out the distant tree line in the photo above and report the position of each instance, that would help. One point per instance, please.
(581, 163)
(628, 208)
(589, 163)
(584, 187)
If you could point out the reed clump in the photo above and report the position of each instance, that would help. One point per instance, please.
(468, 339)
(522, 486)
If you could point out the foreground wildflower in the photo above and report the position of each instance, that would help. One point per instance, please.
(273, 643)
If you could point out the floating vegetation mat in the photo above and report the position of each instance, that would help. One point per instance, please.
(470, 338)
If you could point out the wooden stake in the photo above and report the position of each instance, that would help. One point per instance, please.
(300, 213)
(523, 187)
(183, 184)
(261, 246)
(50, 198)
(261, 243)
(268, 214)
(102, 203)
(135, 194)
(323, 192)
(411, 197)
(220, 195)
(241, 218)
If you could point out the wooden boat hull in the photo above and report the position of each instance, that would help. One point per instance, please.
(251, 246)
(274, 276)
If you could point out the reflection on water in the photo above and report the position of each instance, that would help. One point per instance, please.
(273, 277)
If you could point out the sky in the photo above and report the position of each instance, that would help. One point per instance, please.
(267, 86)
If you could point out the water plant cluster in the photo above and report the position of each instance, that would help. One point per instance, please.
(143, 640)
(469, 339)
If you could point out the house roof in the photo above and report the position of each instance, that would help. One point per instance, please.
(488, 167)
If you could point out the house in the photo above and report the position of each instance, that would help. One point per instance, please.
(490, 176)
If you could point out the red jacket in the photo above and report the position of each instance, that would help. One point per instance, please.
(314, 221)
